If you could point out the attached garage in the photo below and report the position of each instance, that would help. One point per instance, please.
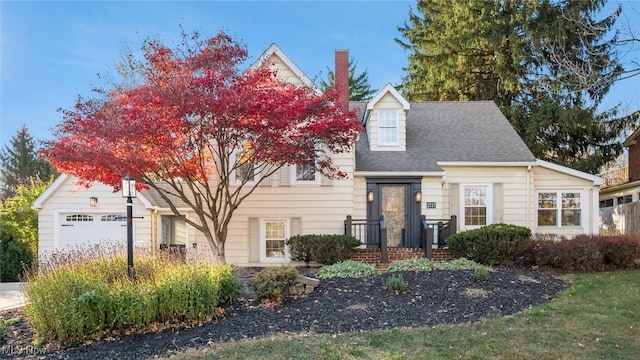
(92, 229)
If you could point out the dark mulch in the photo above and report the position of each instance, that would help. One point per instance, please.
(337, 306)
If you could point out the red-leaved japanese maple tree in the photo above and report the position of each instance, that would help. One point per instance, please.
(193, 120)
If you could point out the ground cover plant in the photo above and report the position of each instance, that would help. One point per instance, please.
(88, 295)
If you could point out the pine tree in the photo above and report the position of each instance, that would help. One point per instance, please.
(20, 164)
(546, 64)
(359, 87)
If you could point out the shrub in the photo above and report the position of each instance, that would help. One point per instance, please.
(582, 253)
(324, 249)
(480, 273)
(15, 256)
(491, 245)
(331, 249)
(273, 283)
(302, 247)
(620, 251)
(347, 269)
(81, 298)
(395, 283)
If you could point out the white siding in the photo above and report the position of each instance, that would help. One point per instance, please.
(321, 209)
(513, 183)
(71, 198)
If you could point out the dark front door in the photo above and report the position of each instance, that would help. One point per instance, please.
(393, 200)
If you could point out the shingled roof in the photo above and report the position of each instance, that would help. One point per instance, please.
(454, 131)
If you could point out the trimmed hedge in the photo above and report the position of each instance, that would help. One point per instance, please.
(323, 249)
(490, 245)
(582, 253)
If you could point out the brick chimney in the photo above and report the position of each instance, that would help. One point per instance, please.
(341, 77)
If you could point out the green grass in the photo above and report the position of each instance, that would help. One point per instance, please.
(597, 318)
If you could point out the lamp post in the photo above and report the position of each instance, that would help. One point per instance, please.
(129, 192)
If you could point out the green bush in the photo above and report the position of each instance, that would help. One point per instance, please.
(324, 249)
(347, 269)
(395, 283)
(480, 273)
(491, 245)
(15, 256)
(331, 249)
(78, 300)
(274, 283)
(302, 247)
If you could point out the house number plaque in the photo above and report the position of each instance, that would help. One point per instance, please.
(431, 205)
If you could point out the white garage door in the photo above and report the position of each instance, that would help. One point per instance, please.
(91, 229)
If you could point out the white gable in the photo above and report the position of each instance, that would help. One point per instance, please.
(287, 70)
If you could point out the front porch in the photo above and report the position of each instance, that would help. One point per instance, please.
(431, 243)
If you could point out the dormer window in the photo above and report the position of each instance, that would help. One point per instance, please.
(388, 128)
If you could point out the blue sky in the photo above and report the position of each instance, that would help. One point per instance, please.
(52, 51)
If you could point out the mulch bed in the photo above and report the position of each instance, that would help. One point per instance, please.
(337, 306)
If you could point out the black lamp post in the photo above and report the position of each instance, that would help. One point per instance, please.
(129, 192)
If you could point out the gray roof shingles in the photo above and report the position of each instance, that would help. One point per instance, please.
(457, 131)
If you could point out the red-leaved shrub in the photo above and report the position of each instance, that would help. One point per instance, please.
(581, 253)
(620, 250)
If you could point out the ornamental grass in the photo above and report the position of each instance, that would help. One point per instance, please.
(87, 294)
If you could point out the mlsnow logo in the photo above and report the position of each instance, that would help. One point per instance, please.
(12, 350)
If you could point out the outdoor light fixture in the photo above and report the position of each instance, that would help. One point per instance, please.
(129, 192)
(93, 201)
(128, 187)
(418, 196)
(370, 196)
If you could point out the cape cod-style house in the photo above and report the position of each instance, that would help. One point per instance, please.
(420, 171)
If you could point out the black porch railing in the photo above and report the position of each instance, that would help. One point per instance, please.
(372, 233)
(436, 232)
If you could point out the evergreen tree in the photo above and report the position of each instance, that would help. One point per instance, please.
(546, 64)
(359, 87)
(20, 164)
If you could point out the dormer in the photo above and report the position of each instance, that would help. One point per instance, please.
(385, 120)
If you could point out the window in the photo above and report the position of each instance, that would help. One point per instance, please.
(606, 203)
(625, 199)
(305, 174)
(559, 208)
(387, 127)
(113, 217)
(273, 234)
(79, 217)
(477, 205)
(244, 169)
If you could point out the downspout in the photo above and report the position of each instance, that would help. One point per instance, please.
(527, 213)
